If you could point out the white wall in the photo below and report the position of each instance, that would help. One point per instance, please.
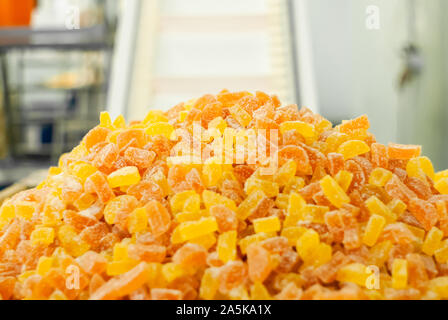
(357, 69)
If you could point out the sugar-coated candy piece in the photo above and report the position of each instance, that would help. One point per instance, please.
(399, 274)
(379, 155)
(97, 183)
(193, 229)
(225, 218)
(442, 185)
(353, 148)
(159, 218)
(402, 151)
(420, 166)
(355, 272)
(379, 177)
(267, 225)
(432, 241)
(126, 176)
(333, 191)
(259, 263)
(305, 129)
(123, 285)
(424, 212)
(226, 246)
(373, 229)
(190, 256)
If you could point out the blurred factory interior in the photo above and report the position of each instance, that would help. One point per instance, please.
(64, 61)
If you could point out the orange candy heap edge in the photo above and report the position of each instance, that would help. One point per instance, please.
(340, 217)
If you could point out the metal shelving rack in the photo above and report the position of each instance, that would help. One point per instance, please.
(67, 123)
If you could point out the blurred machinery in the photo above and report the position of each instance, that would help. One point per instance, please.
(54, 81)
(173, 50)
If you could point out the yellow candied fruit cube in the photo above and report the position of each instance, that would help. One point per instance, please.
(227, 246)
(178, 200)
(209, 284)
(160, 128)
(379, 177)
(293, 234)
(120, 251)
(249, 204)
(211, 172)
(24, 209)
(344, 179)
(188, 216)
(376, 206)
(333, 191)
(305, 129)
(353, 148)
(155, 275)
(268, 224)
(207, 241)
(44, 265)
(295, 211)
(397, 206)
(419, 167)
(307, 245)
(81, 170)
(154, 116)
(54, 171)
(270, 189)
(116, 268)
(211, 198)
(71, 242)
(218, 123)
(355, 272)
(105, 120)
(7, 212)
(441, 175)
(183, 115)
(442, 185)
(282, 201)
(176, 237)
(432, 241)
(171, 271)
(85, 201)
(126, 176)
(373, 229)
(399, 274)
(245, 242)
(119, 122)
(296, 204)
(322, 255)
(440, 286)
(138, 220)
(193, 229)
(315, 213)
(294, 184)
(285, 173)
(441, 254)
(259, 292)
(240, 115)
(43, 235)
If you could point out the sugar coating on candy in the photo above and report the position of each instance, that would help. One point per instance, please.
(332, 215)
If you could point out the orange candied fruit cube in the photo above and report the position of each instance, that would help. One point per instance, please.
(403, 151)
